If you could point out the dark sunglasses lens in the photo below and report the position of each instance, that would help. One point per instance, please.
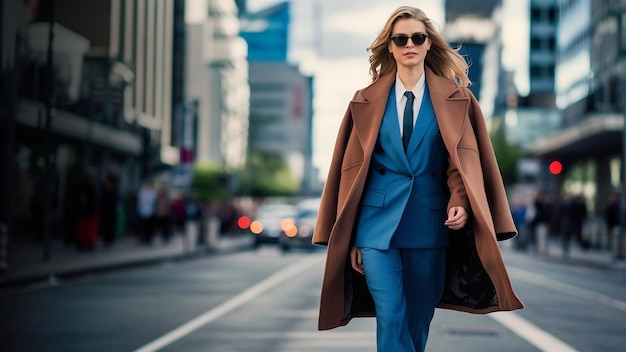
(418, 39)
(400, 40)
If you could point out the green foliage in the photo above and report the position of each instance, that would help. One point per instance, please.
(267, 175)
(506, 152)
(208, 183)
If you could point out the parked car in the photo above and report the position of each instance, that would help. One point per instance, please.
(301, 234)
(266, 225)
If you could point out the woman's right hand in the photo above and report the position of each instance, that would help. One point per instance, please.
(357, 260)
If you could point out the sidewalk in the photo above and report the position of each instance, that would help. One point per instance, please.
(26, 264)
(592, 257)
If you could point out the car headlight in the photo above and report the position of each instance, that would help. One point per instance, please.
(305, 231)
(256, 227)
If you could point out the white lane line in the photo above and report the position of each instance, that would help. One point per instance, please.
(530, 332)
(567, 289)
(235, 302)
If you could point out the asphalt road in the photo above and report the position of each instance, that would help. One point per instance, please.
(264, 300)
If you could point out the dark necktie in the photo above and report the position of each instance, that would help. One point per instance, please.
(407, 124)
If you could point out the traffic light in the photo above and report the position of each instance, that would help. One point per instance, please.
(555, 167)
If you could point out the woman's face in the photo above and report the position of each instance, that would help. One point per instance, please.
(412, 54)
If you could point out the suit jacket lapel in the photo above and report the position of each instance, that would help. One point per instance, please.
(424, 120)
(392, 128)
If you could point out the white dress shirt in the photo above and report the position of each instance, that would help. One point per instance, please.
(401, 100)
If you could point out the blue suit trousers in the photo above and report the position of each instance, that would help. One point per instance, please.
(406, 285)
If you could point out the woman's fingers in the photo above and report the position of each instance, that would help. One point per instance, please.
(356, 260)
(457, 218)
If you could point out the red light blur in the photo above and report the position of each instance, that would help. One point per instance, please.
(555, 167)
(243, 222)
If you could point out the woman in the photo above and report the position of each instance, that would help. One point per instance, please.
(413, 225)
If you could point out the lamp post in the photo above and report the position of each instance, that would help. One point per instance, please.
(48, 154)
(619, 246)
(10, 27)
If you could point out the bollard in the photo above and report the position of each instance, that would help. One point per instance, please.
(542, 239)
(618, 244)
(190, 235)
(213, 227)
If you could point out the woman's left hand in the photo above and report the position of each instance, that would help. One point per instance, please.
(457, 218)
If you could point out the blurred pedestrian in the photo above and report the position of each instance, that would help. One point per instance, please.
(573, 215)
(612, 215)
(87, 211)
(37, 207)
(70, 236)
(146, 208)
(179, 215)
(399, 194)
(540, 219)
(519, 211)
(108, 209)
(163, 213)
(612, 212)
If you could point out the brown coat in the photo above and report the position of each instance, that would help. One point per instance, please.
(477, 281)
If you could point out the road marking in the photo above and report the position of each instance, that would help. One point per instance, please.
(235, 302)
(299, 335)
(530, 332)
(567, 289)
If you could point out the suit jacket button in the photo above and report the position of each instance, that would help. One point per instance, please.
(410, 177)
(382, 171)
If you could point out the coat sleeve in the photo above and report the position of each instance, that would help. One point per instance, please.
(327, 213)
(494, 185)
(458, 195)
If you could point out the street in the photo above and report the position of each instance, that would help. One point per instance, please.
(265, 300)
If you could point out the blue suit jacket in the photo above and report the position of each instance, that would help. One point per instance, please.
(405, 196)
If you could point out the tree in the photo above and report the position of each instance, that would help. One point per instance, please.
(507, 153)
(208, 183)
(267, 175)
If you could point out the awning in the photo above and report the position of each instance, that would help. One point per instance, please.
(600, 134)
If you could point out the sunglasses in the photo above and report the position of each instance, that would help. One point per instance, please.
(402, 39)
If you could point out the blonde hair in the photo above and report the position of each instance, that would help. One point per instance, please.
(441, 58)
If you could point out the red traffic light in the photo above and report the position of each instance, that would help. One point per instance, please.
(555, 167)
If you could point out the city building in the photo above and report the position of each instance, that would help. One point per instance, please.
(281, 109)
(456, 9)
(535, 115)
(217, 86)
(267, 33)
(109, 107)
(474, 29)
(590, 92)
(280, 115)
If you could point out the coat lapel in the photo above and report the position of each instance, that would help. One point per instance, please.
(450, 107)
(368, 109)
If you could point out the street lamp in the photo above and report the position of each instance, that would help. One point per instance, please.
(619, 246)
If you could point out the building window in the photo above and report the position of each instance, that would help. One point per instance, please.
(622, 33)
(268, 87)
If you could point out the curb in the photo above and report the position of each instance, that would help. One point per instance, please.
(615, 265)
(53, 278)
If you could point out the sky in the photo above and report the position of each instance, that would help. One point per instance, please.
(328, 39)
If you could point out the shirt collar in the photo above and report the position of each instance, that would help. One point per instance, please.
(417, 90)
